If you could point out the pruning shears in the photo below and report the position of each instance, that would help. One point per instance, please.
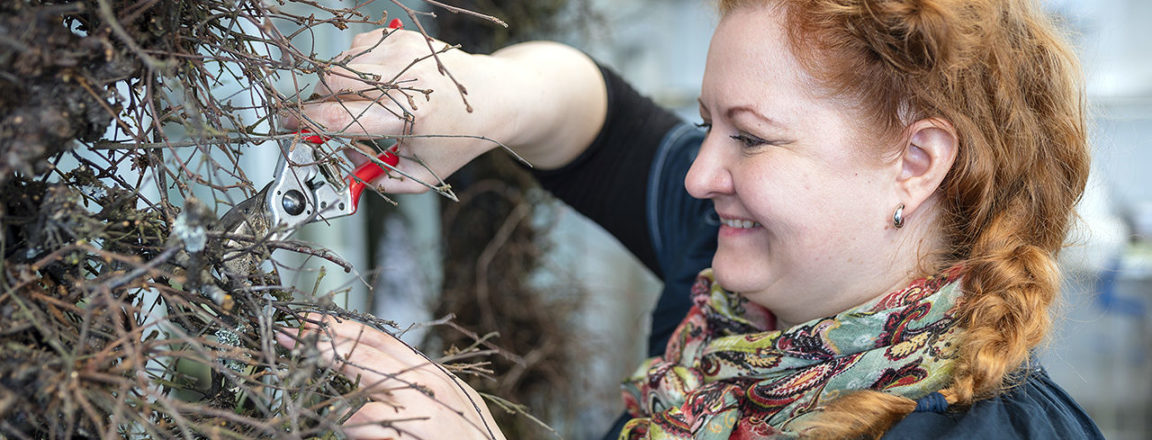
(305, 188)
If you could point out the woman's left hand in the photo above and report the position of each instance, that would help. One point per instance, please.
(412, 397)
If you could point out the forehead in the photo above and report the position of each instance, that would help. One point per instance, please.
(751, 65)
(750, 61)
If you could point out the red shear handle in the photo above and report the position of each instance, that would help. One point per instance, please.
(308, 137)
(368, 172)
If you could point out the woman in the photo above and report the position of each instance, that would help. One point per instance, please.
(893, 180)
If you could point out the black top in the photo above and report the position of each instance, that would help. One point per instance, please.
(631, 182)
(607, 180)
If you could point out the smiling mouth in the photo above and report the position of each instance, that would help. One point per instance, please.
(739, 224)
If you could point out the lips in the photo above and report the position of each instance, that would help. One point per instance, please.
(738, 223)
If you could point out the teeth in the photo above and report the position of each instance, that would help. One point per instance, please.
(739, 224)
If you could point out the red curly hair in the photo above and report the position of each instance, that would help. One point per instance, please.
(1001, 72)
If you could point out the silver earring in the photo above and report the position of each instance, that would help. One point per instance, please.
(898, 217)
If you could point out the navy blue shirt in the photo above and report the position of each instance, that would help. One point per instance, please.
(1035, 409)
(631, 182)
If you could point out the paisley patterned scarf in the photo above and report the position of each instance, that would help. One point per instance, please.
(727, 374)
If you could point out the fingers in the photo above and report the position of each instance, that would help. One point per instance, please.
(380, 363)
(349, 334)
(384, 46)
(369, 69)
(360, 81)
(382, 58)
(355, 118)
(423, 161)
(371, 38)
(356, 343)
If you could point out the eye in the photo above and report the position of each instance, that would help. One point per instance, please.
(707, 126)
(749, 141)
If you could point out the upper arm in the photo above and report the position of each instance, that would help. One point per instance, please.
(608, 182)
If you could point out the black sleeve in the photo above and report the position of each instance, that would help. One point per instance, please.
(608, 181)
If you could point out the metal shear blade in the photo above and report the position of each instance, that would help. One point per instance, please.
(304, 189)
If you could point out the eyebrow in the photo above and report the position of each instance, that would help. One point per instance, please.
(742, 109)
(733, 111)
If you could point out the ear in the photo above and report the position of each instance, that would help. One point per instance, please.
(928, 153)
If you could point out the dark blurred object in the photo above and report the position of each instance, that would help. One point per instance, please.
(493, 246)
(528, 20)
(118, 317)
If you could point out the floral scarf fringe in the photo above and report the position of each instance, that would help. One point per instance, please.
(726, 374)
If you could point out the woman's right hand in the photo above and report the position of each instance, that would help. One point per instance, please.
(545, 100)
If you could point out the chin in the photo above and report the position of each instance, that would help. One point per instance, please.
(736, 276)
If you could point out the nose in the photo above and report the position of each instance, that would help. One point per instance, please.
(709, 175)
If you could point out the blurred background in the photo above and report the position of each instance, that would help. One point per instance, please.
(594, 297)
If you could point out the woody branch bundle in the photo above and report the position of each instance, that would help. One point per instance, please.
(120, 315)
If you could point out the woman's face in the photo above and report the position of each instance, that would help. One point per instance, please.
(804, 197)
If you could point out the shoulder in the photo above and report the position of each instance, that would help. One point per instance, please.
(1035, 409)
(678, 223)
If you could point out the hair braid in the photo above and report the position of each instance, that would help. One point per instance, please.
(1009, 287)
(999, 71)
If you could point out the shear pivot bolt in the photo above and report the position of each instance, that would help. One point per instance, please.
(293, 202)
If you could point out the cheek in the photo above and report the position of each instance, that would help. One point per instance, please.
(815, 210)
(849, 218)
(783, 195)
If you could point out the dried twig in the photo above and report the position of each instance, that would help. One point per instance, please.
(119, 317)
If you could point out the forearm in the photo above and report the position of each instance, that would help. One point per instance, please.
(561, 102)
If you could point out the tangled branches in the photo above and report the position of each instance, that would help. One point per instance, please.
(120, 313)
